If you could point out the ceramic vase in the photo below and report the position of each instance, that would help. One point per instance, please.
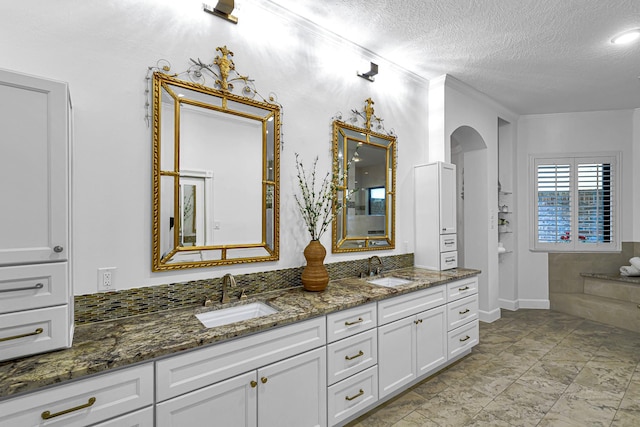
(315, 276)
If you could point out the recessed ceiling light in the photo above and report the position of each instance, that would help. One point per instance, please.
(626, 37)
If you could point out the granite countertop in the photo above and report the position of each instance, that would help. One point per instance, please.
(98, 347)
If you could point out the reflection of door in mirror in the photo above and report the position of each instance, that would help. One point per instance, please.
(196, 205)
(188, 214)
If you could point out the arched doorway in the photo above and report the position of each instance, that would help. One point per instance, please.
(469, 154)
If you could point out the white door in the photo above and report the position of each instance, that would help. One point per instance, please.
(232, 403)
(431, 339)
(293, 392)
(34, 159)
(396, 355)
(447, 198)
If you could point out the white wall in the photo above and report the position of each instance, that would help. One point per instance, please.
(103, 51)
(634, 185)
(453, 104)
(598, 131)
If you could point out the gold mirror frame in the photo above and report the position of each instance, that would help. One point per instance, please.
(353, 144)
(172, 248)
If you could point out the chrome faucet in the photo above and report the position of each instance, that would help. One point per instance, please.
(228, 281)
(370, 271)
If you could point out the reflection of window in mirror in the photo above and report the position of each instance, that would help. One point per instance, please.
(376, 201)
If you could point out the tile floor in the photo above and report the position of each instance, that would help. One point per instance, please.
(531, 368)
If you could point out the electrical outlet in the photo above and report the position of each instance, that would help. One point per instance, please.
(106, 279)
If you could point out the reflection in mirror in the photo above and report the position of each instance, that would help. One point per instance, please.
(216, 171)
(367, 221)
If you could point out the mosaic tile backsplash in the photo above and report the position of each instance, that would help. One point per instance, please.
(131, 302)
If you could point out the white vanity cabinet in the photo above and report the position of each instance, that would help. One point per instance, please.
(275, 378)
(412, 337)
(462, 316)
(435, 216)
(86, 402)
(35, 289)
(352, 357)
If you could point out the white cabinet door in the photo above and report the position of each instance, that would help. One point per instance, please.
(431, 340)
(34, 163)
(447, 198)
(396, 355)
(228, 403)
(293, 392)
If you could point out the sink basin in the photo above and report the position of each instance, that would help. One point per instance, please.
(239, 313)
(389, 282)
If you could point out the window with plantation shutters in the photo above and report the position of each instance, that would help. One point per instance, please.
(575, 202)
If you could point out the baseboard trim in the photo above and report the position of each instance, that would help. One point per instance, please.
(489, 316)
(542, 304)
(508, 304)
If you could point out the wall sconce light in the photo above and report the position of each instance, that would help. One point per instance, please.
(222, 10)
(369, 74)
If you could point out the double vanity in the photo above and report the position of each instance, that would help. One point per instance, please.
(286, 357)
(311, 359)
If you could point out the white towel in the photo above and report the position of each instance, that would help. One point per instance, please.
(629, 270)
(635, 261)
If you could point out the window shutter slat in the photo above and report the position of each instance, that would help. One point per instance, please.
(554, 203)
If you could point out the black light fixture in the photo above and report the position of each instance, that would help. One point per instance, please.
(222, 10)
(369, 74)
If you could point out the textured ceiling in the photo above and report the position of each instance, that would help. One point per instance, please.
(532, 56)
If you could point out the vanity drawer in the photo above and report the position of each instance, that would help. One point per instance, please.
(462, 288)
(448, 242)
(25, 287)
(141, 418)
(180, 374)
(351, 355)
(85, 402)
(412, 303)
(448, 260)
(462, 311)
(463, 338)
(350, 322)
(352, 395)
(34, 331)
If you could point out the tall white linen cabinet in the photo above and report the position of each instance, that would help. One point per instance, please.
(435, 216)
(36, 297)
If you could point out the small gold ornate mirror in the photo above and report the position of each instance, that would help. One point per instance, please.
(365, 196)
(216, 159)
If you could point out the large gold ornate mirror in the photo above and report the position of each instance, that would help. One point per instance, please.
(216, 158)
(365, 195)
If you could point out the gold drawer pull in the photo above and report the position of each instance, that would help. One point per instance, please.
(360, 320)
(15, 337)
(26, 288)
(360, 353)
(47, 415)
(465, 338)
(253, 384)
(357, 395)
(466, 288)
(464, 312)
(264, 380)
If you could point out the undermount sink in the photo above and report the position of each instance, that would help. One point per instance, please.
(225, 316)
(389, 282)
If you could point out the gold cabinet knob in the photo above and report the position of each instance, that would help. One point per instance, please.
(264, 380)
(254, 384)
